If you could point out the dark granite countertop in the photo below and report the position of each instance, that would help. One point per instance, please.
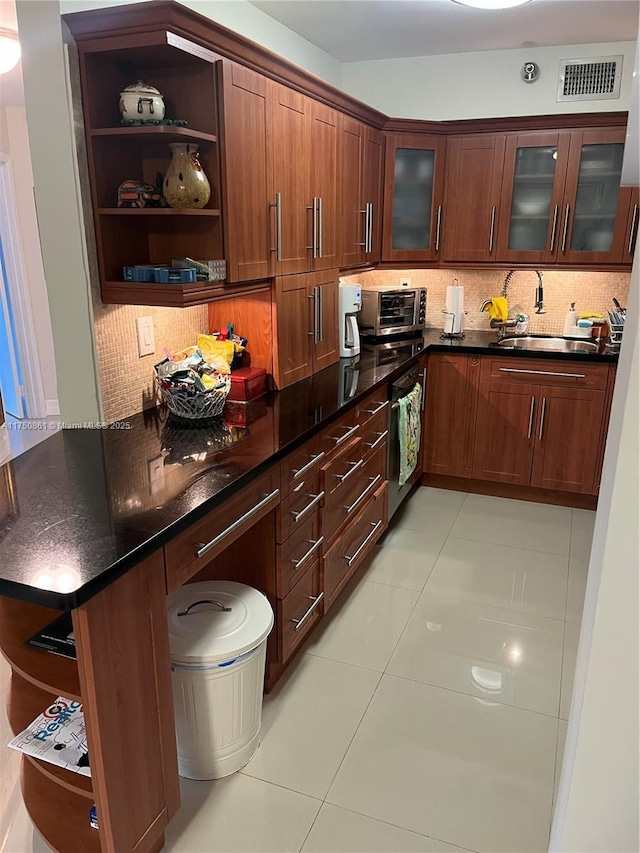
(85, 505)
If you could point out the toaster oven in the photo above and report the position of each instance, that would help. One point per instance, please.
(391, 310)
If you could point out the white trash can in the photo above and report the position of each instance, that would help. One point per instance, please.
(218, 635)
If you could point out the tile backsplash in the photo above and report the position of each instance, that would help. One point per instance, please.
(591, 291)
(126, 380)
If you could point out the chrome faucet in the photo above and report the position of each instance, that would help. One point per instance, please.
(539, 295)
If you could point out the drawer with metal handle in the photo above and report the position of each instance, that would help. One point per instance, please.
(375, 432)
(344, 505)
(208, 537)
(375, 404)
(299, 612)
(336, 475)
(569, 372)
(300, 464)
(295, 556)
(353, 546)
(339, 433)
(301, 503)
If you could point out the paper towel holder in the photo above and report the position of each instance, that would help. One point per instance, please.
(453, 336)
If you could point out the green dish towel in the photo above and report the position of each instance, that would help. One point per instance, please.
(409, 431)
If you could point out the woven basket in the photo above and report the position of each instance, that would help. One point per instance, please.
(195, 405)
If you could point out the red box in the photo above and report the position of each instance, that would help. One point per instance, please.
(247, 383)
(240, 414)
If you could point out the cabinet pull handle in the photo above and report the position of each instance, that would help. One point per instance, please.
(350, 432)
(313, 248)
(378, 409)
(381, 437)
(372, 485)
(370, 229)
(544, 406)
(424, 389)
(566, 226)
(354, 557)
(366, 227)
(202, 548)
(533, 405)
(320, 226)
(438, 221)
(278, 207)
(634, 222)
(493, 226)
(320, 325)
(314, 547)
(298, 472)
(542, 372)
(316, 500)
(352, 470)
(300, 622)
(553, 229)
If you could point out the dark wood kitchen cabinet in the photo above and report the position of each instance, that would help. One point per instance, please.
(593, 220)
(413, 191)
(305, 325)
(535, 169)
(280, 192)
(360, 162)
(472, 197)
(451, 399)
(539, 424)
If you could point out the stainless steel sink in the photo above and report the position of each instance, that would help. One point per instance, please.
(552, 344)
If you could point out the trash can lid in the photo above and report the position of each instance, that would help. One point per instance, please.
(216, 621)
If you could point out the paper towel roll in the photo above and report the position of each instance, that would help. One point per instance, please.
(455, 309)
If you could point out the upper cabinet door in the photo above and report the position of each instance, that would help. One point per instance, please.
(413, 189)
(372, 193)
(352, 220)
(322, 192)
(633, 222)
(594, 214)
(288, 153)
(245, 187)
(535, 168)
(472, 197)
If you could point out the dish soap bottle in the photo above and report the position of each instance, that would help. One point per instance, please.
(570, 321)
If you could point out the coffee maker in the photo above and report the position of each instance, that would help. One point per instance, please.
(349, 303)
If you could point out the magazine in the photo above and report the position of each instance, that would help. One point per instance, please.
(57, 637)
(57, 736)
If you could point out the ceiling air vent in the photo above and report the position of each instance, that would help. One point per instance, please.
(590, 80)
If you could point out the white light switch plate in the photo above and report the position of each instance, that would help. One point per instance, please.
(146, 337)
(405, 282)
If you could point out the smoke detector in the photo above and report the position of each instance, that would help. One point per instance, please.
(530, 72)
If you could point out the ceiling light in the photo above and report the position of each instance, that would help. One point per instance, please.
(9, 50)
(492, 4)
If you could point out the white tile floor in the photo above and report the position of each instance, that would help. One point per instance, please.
(427, 713)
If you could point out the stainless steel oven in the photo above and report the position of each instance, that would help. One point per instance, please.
(389, 310)
(398, 389)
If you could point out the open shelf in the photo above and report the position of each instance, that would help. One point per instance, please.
(150, 293)
(156, 211)
(26, 702)
(167, 133)
(49, 672)
(61, 816)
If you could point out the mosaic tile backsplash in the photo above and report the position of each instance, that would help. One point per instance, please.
(591, 291)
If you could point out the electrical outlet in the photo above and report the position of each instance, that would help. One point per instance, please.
(405, 282)
(146, 337)
(156, 474)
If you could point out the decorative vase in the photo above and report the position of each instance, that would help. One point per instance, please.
(185, 183)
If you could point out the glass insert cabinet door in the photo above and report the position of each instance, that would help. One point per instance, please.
(412, 198)
(533, 182)
(596, 205)
(414, 179)
(533, 186)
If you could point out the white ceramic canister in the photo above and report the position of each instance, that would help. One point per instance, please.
(141, 102)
